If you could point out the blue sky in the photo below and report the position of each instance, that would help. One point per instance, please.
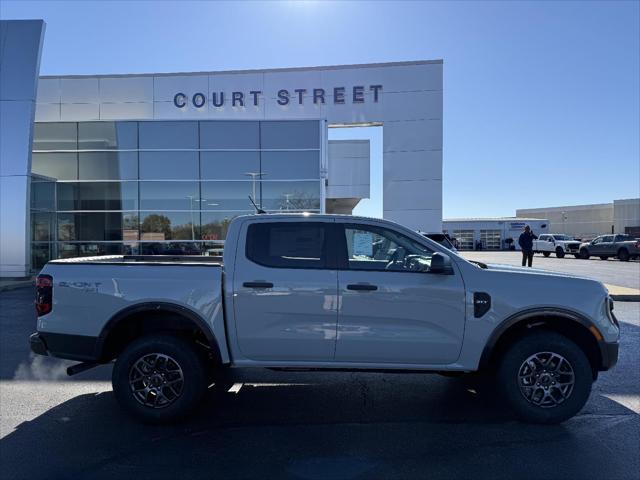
(541, 99)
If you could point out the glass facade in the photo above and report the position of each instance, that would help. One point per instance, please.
(156, 187)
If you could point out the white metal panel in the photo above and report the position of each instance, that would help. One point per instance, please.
(16, 118)
(167, 110)
(79, 90)
(48, 90)
(418, 165)
(47, 112)
(412, 106)
(412, 136)
(419, 194)
(165, 87)
(126, 89)
(423, 220)
(126, 111)
(79, 112)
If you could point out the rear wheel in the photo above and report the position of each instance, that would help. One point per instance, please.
(584, 254)
(559, 252)
(545, 377)
(159, 378)
(546, 254)
(623, 255)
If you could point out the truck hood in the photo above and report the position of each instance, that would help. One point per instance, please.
(530, 271)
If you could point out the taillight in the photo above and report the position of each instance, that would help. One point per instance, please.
(44, 294)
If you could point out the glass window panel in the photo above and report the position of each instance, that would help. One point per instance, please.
(161, 226)
(40, 255)
(174, 135)
(108, 166)
(169, 196)
(92, 249)
(290, 134)
(228, 195)
(55, 136)
(285, 165)
(107, 135)
(169, 166)
(41, 226)
(228, 165)
(215, 225)
(97, 196)
(231, 135)
(43, 195)
(172, 248)
(61, 166)
(287, 245)
(375, 248)
(291, 196)
(105, 226)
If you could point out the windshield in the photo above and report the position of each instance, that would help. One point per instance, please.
(562, 237)
(440, 238)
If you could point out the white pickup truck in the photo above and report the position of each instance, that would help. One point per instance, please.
(557, 243)
(325, 292)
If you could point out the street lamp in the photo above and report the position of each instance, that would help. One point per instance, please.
(564, 225)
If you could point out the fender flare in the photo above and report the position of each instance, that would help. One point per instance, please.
(532, 313)
(151, 307)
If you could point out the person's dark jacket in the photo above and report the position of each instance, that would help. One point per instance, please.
(526, 241)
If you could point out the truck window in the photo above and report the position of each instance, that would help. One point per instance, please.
(375, 248)
(287, 244)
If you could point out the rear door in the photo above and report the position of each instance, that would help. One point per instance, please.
(285, 291)
(606, 245)
(391, 310)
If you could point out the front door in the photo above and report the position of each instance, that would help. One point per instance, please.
(392, 309)
(285, 292)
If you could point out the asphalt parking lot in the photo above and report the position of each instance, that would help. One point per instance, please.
(306, 426)
(611, 271)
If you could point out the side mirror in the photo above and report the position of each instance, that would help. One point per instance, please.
(441, 264)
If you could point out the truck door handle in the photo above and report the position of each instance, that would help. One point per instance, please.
(258, 284)
(361, 287)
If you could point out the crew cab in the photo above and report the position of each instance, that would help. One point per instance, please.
(624, 247)
(559, 244)
(314, 292)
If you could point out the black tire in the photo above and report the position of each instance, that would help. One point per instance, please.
(514, 359)
(623, 255)
(190, 390)
(584, 254)
(546, 254)
(559, 252)
(603, 257)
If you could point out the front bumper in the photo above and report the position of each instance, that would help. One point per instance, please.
(609, 353)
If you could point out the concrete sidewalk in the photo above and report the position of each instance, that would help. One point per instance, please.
(623, 294)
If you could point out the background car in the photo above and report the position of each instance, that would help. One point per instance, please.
(625, 247)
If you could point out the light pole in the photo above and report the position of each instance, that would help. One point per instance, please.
(253, 176)
(564, 225)
(287, 196)
(191, 200)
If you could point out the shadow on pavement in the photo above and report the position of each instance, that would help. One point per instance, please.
(350, 426)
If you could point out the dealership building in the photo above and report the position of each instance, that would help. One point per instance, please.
(161, 163)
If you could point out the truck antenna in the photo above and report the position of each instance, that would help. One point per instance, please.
(258, 209)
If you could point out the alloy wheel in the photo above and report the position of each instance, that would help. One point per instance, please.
(546, 379)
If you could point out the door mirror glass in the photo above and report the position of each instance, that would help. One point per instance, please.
(441, 264)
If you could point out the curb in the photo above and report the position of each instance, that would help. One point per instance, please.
(625, 297)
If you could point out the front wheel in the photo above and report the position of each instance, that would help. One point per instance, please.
(559, 252)
(545, 377)
(584, 254)
(159, 378)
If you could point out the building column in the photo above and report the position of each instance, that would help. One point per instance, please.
(20, 49)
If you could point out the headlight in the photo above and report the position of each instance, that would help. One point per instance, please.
(609, 311)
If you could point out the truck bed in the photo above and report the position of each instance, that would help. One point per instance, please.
(181, 260)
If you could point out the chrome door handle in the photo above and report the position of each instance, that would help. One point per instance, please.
(258, 284)
(362, 287)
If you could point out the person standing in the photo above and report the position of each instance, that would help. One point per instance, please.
(526, 244)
